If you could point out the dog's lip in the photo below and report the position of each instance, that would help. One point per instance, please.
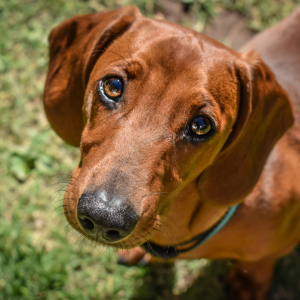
(97, 237)
(119, 244)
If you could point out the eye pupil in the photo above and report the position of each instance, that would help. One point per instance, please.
(200, 125)
(113, 87)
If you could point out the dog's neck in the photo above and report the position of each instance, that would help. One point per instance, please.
(188, 217)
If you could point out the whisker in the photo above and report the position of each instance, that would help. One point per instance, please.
(145, 238)
(162, 233)
(137, 239)
(54, 195)
(161, 213)
(67, 183)
(61, 206)
(163, 228)
(67, 175)
(63, 213)
(168, 227)
(102, 254)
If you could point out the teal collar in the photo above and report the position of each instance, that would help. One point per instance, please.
(173, 251)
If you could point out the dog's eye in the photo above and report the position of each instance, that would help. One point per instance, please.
(200, 125)
(112, 88)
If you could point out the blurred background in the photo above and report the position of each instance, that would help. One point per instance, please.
(39, 258)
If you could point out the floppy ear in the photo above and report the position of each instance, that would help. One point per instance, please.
(75, 46)
(265, 113)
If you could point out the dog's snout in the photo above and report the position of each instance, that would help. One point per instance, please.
(104, 216)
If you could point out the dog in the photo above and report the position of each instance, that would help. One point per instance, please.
(178, 131)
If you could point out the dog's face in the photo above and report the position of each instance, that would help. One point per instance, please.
(159, 105)
(153, 123)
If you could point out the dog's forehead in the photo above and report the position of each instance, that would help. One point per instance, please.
(166, 42)
(179, 56)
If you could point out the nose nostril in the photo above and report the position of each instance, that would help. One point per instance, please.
(87, 224)
(113, 235)
(104, 217)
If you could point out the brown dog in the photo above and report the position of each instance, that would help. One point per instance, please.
(173, 125)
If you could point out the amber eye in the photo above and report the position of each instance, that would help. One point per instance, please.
(113, 87)
(200, 125)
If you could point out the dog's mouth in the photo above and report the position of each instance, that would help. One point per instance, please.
(115, 237)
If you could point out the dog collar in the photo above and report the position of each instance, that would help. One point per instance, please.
(168, 252)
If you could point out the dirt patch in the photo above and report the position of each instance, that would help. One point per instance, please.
(228, 27)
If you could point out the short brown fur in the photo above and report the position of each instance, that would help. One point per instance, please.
(172, 74)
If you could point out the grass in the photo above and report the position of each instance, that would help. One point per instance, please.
(38, 258)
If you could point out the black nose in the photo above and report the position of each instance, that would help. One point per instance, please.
(106, 216)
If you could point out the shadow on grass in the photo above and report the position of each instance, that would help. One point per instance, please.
(158, 281)
(286, 281)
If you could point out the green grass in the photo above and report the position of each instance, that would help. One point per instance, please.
(260, 14)
(38, 258)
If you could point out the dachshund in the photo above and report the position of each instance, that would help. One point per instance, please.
(177, 130)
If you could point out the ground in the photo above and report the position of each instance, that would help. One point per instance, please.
(39, 258)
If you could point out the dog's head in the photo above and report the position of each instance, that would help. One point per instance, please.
(154, 106)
